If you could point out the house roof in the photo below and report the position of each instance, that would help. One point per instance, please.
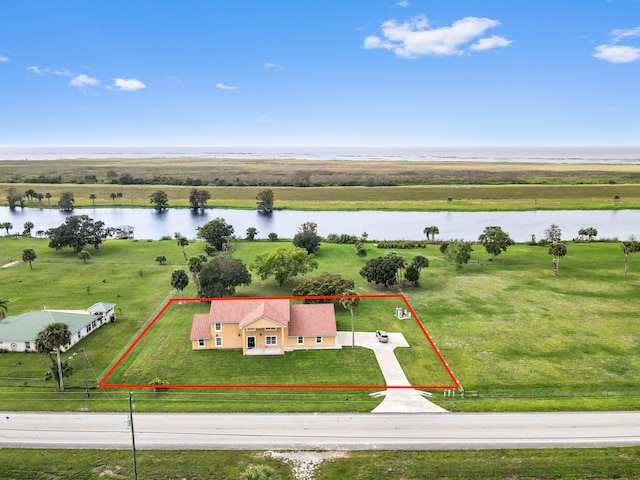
(244, 312)
(274, 310)
(101, 307)
(303, 320)
(200, 328)
(25, 327)
(312, 320)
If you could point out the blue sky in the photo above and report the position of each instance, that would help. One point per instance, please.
(323, 72)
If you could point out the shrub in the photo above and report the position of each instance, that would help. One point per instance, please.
(400, 244)
(343, 238)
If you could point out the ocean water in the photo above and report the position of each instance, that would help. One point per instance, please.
(578, 154)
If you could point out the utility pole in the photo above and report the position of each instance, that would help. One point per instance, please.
(86, 379)
(133, 437)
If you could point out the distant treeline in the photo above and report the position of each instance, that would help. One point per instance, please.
(325, 178)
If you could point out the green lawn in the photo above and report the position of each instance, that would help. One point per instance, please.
(165, 351)
(544, 464)
(515, 336)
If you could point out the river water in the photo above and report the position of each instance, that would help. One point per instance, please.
(380, 225)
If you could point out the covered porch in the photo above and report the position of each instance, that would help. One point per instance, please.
(263, 351)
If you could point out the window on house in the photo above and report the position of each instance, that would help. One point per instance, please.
(27, 345)
(318, 339)
(251, 329)
(271, 329)
(300, 340)
(218, 341)
(218, 327)
(201, 342)
(271, 340)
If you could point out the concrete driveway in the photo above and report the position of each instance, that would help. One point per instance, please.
(396, 400)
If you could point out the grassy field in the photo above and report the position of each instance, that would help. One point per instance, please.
(515, 336)
(620, 463)
(220, 171)
(406, 198)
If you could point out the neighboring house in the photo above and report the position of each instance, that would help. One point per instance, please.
(18, 332)
(270, 326)
(124, 232)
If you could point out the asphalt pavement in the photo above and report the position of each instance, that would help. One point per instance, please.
(320, 431)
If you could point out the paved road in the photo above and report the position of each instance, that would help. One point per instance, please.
(321, 431)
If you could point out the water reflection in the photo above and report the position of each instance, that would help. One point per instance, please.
(380, 225)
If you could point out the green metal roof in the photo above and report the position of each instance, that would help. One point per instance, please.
(101, 307)
(25, 327)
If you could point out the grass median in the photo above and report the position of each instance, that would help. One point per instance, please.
(37, 464)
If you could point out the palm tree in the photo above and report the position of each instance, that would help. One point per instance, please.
(161, 259)
(48, 197)
(7, 226)
(27, 229)
(195, 265)
(3, 307)
(629, 247)
(558, 250)
(179, 280)
(113, 197)
(52, 339)
(431, 233)
(616, 199)
(260, 472)
(351, 303)
(93, 197)
(251, 233)
(182, 242)
(29, 255)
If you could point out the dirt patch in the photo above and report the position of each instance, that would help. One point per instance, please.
(304, 463)
(10, 264)
(104, 471)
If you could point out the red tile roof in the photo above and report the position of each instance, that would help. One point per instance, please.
(312, 320)
(200, 328)
(274, 310)
(303, 320)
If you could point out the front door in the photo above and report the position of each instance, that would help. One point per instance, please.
(251, 342)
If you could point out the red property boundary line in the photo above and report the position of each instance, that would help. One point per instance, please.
(455, 384)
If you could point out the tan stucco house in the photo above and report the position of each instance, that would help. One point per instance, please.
(264, 326)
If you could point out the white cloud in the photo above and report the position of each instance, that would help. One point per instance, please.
(614, 53)
(617, 53)
(494, 41)
(403, 3)
(619, 33)
(63, 73)
(415, 38)
(38, 71)
(128, 84)
(173, 78)
(82, 81)
(222, 86)
(273, 65)
(48, 71)
(3, 59)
